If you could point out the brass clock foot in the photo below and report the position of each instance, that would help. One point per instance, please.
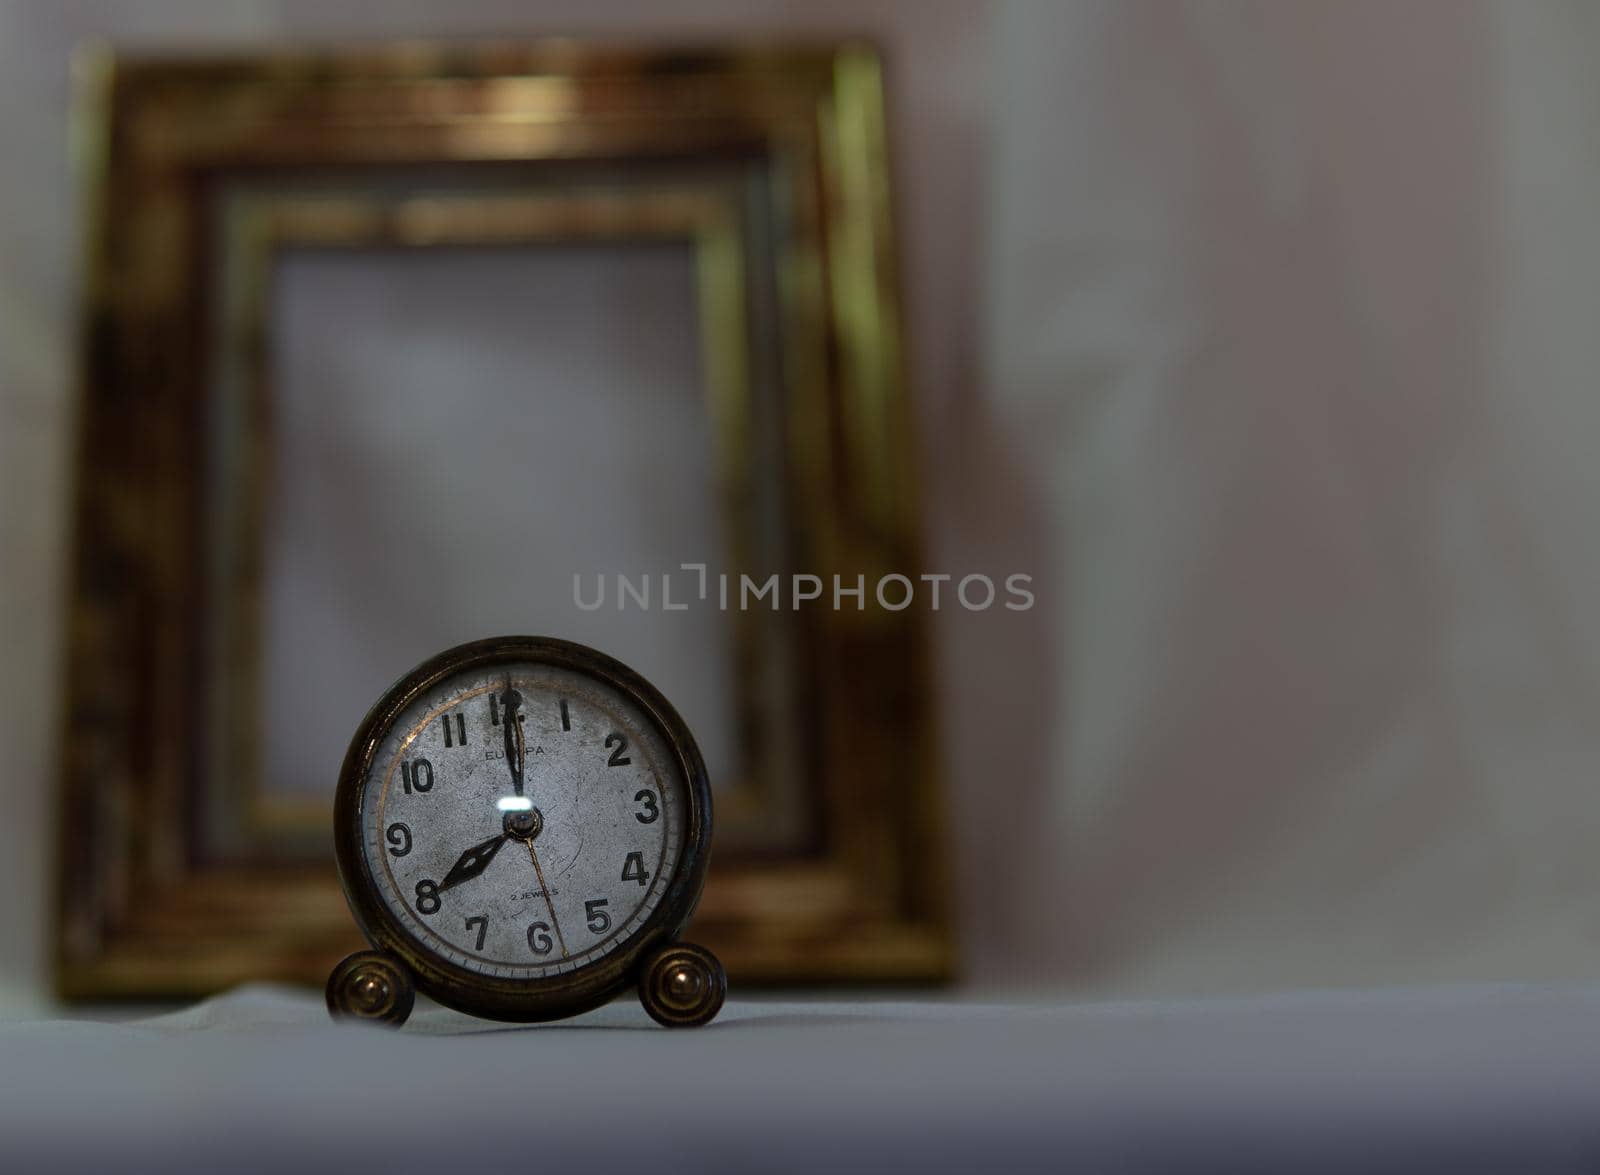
(371, 985)
(682, 985)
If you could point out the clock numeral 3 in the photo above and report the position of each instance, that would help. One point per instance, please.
(633, 869)
(648, 798)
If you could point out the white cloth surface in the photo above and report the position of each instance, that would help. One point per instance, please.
(1459, 1079)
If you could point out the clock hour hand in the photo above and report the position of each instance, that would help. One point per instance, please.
(472, 862)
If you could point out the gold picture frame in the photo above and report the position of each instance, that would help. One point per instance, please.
(628, 144)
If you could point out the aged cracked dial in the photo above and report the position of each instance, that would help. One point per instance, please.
(517, 820)
(530, 869)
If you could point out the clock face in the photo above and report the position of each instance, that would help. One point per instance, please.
(522, 820)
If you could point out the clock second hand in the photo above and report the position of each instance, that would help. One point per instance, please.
(549, 904)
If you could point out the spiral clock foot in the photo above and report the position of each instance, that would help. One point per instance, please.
(373, 986)
(682, 985)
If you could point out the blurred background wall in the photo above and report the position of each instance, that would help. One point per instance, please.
(1263, 336)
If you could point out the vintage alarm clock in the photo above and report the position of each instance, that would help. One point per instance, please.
(522, 827)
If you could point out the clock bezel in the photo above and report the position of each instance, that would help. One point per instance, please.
(533, 998)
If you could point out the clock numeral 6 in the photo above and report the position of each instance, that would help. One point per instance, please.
(428, 897)
(417, 776)
(599, 920)
(618, 759)
(633, 869)
(648, 798)
(539, 939)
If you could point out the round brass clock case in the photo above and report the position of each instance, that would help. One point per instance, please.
(679, 983)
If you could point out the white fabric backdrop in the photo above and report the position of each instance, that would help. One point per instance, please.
(1261, 335)
(1291, 325)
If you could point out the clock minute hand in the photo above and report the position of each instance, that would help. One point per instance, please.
(511, 701)
(472, 862)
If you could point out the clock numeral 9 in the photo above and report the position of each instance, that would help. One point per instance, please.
(417, 776)
(633, 869)
(399, 837)
(428, 897)
(539, 939)
(599, 920)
